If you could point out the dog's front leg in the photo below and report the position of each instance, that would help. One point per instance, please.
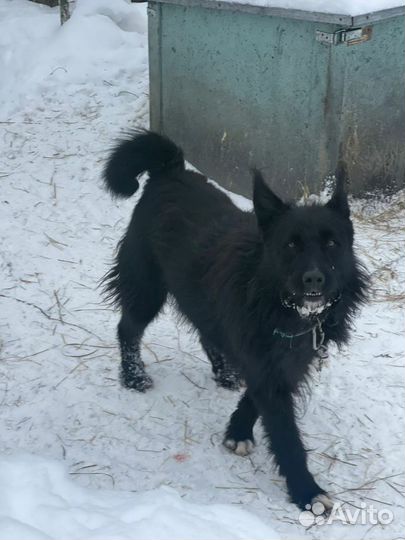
(277, 411)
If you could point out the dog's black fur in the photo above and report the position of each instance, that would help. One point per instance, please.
(260, 288)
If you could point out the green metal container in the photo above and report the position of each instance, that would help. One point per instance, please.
(239, 86)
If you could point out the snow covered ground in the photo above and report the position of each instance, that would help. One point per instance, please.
(65, 94)
(39, 501)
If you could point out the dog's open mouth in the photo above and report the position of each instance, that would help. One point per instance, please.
(312, 304)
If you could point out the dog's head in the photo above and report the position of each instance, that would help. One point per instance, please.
(308, 250)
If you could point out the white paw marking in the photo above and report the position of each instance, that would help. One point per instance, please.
(230, 444)
(325, 500)
(240, 448)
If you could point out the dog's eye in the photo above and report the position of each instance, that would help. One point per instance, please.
(330, 243)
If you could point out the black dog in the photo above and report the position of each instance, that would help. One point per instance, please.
(265, 290)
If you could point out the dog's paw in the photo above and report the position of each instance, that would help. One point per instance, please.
(321, 504)
(311, 498)
(240, 448)
(140, 383)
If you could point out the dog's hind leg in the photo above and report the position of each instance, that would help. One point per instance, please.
(133, 374)
(239, 433)
(224, 373)
(141, 294)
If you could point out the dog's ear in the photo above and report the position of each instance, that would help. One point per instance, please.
(266, 204)
(338, 201)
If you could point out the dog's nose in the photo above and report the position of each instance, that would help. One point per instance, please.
(313, 281)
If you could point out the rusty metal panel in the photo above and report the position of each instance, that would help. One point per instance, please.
(239, 88)
(373, 108)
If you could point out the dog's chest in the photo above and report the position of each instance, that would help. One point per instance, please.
(292, 359)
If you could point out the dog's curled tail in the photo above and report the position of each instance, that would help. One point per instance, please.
(139, 152)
